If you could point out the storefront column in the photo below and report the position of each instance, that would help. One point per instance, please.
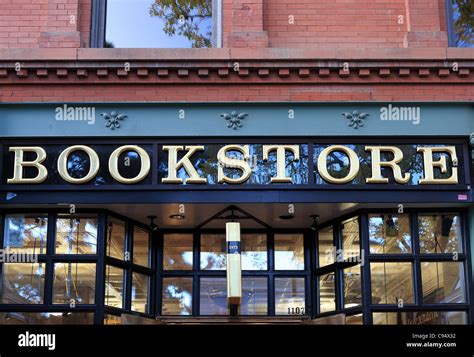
(62, 25)
(470, 277)
(243, 24)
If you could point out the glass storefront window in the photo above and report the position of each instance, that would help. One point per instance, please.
(112, 320)
(26, 234)
(46, 318)
(23, 283)
(116, 238)
(141, 243)
(354, 320)
(254, 251)
(350, 239)
(158, 24)
(213, 296)
(177, 296)
(392, 283)
(290, 296)
(74, 283)
(213, 252)
(254, 296)
(140, 287)
(114, 287)
(327, 293)
(443, 282)
(389, 233)
(326, 249)
(178, 252)
(289, 252)
(420, 318)
(76, 235)
(352, 287)
(440, 233)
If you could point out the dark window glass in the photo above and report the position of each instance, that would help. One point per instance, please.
(254, 296)
(327, 293)
(206, 165)
(76, 235)
(443, 282)
(326, 248)
(78, 165)
(159, 24)
(116, 238)
(213, 252)
(392, 283)
(23, 283)
(440, 233)
(289, 252)
(26, 234)
(140, 287)
(141, 242)
(46, 318)
(289, 296)
(177, 296)
(178, 252)
(74, 283)
(213, 296)
(338, 164)
(420, 318)
(114, 287)
(389, 233)
(254, 251)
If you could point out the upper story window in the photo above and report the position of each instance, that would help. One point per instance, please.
(160, 23)
(460, 23)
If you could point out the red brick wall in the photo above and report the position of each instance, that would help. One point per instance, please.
(226, 92)
(348, 23)
(21, 22)
(85, 11)
(249, 23)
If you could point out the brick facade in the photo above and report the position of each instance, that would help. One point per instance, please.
(286, 50)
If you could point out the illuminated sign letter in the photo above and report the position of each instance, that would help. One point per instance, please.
(19, 164)
(225, 161)
(429, 164)
(281, 160)
(174, 165)
(63, 164)
(144, 170)
(353, 163)
(393, 164)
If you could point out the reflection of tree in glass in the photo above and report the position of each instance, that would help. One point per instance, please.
(389, 233)
(185, 18)
(184, 297)
(463, 22)
(338, 164)
(432, 237)
(20, 287)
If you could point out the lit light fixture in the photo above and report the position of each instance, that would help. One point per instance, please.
(178, 217)
(314, 225)
(153, 225)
